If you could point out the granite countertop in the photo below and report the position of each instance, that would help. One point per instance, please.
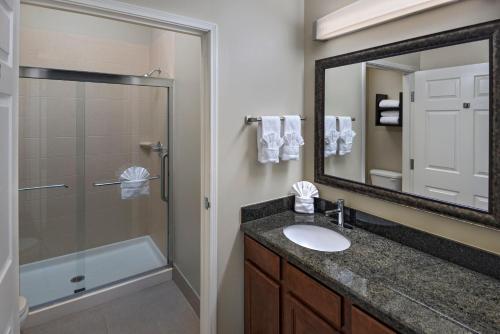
(412, 291)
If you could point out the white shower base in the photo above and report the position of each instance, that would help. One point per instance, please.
(46, 281)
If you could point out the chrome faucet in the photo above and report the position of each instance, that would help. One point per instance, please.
(339, 211)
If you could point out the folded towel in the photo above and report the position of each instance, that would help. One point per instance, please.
(331, 136)
(134, 182)
(292, 138)
(389, 120)
(346, 135)
(304, 196)
(389, 104)
(269, 139)
(389, 113)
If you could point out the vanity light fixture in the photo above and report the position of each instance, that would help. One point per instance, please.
(366, 13)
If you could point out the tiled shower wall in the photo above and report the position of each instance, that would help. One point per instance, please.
(81, 133)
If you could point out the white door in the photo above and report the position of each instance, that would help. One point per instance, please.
(9, 264)
(450, 134)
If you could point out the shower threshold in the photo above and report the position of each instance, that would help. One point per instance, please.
(50, 280)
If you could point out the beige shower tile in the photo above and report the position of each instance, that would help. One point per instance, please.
(60, 88)
(58, 116)
(29, 212)
(57, 207)
(96, 201)
(98, 123)
(107, 226)
(30, 249)
(120, 162)
(98, 145)
(60, 236)
(29, 169)
(29, 148)
(123, 144)
(29, 126)
(58, 146)
(58, 167)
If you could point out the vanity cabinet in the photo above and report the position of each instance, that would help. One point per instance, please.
(262, 302)
(262, 290)
(299, 319)
(280, 298)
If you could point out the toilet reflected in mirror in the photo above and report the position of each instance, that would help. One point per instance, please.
(386, 179)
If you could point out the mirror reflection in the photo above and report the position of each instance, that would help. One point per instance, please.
(416, 123)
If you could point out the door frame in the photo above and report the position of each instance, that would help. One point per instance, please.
(208, 32)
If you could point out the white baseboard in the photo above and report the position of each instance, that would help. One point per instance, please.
(94, 298)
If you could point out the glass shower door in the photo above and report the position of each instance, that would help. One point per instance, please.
(51, 202)
(126, 227)
(90, 173)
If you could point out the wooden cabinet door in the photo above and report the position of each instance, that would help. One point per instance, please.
(299, 319)
(362, 323)
(262, 302)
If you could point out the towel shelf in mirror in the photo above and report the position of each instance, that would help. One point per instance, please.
(112, 183)
(379, 110)
(446, 142)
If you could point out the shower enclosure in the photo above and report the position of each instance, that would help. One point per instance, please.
(78, 132)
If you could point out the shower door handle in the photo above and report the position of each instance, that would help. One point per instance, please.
(163, 191)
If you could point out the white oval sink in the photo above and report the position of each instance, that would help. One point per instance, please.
(317, 238)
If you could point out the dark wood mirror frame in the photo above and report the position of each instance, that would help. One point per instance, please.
(490, 31)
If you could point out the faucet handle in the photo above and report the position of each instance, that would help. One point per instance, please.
(329, 213)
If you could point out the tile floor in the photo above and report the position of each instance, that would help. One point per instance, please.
(161, 309)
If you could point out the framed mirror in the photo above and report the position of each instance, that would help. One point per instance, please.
(415, 122)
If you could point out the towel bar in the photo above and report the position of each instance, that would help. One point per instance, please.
(252, 119)
(51, 186)
(112, 183)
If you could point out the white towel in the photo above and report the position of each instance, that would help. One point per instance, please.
(389, 104)
(389, 113)
(304, 196)
(331, 136)
(389, 120)
(134, 182)
(292, 138)
(269, 139)
(346, 135)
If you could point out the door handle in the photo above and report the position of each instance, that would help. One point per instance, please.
(163, 192)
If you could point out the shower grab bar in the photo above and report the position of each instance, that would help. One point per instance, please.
(112, 183)
(51, 186)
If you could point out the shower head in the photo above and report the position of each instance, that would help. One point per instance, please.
(150, 73)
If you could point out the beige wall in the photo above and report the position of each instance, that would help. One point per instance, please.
(443, 18)
(187, 158)
(383, 143)
(260, 73)
(162, 52)
(455, 55)
(65, 40)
